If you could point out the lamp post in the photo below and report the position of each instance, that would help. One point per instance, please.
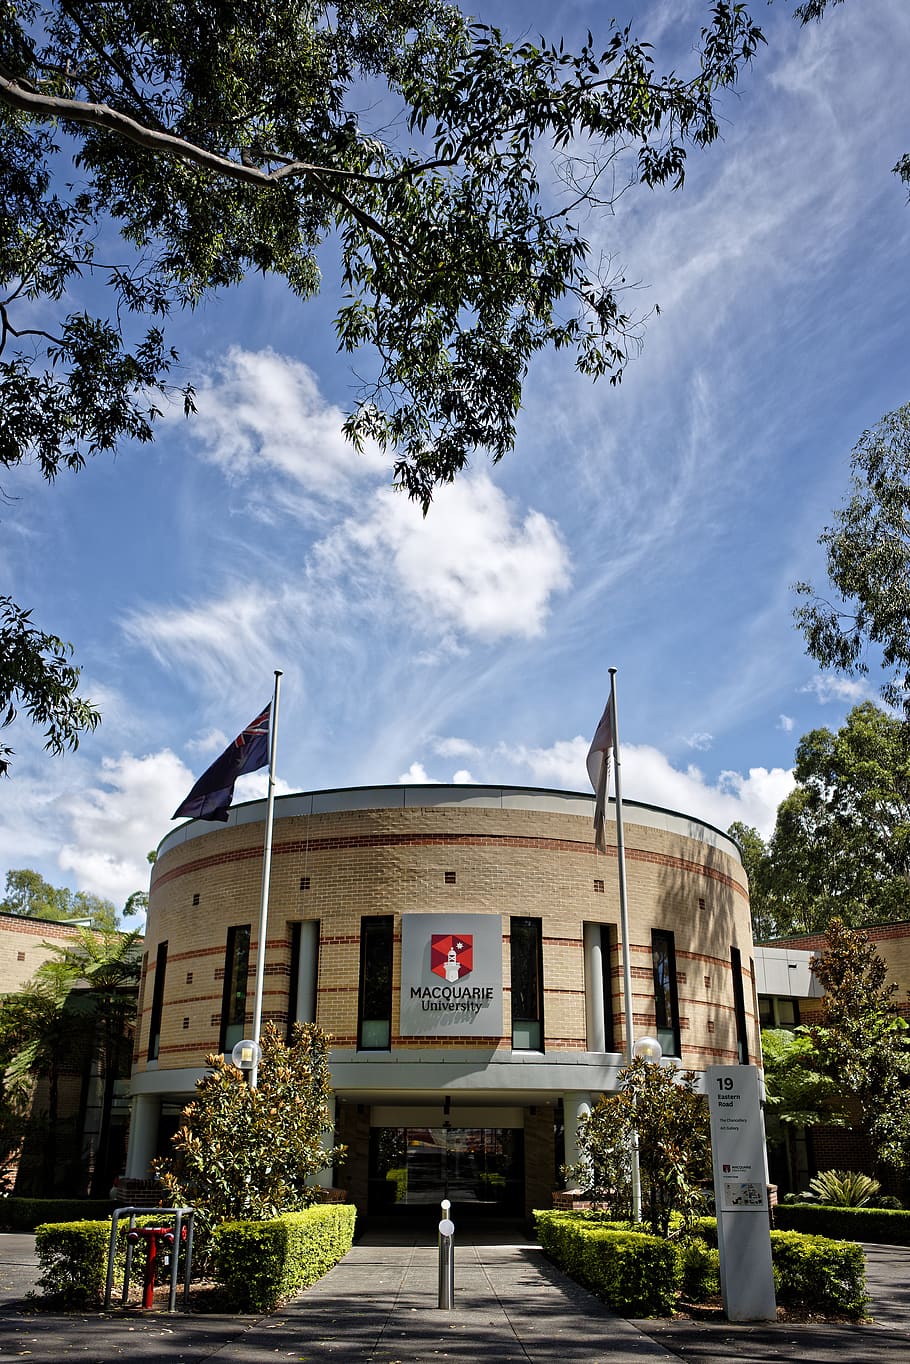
(645, 1049)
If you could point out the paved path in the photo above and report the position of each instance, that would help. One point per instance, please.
(378, 1305)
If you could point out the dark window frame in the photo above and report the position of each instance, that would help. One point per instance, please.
(666, 994)
(739, 1006)
(296, 927)
(377, 931)
(236, 970)
(530, 994)
(157, 1002)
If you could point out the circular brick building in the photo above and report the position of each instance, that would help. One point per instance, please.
(460, 944)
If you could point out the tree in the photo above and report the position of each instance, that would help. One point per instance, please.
(29, 896)
(107, 966)
(76, 1011)
(249, 1153)
(841, 843)
(868, 565)
(43, 1036)
(862, 1040)
(798, 1093)
(755, 861)
(661, 1105)
(202, 141)
(35, 672)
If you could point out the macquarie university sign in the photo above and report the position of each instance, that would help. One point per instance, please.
(451, 975)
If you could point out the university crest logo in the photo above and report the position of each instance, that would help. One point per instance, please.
(451, 955)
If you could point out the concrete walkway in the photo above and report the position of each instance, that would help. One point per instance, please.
(379, 1305)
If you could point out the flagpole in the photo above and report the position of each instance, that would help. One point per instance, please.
(266, 877)
(624, 933)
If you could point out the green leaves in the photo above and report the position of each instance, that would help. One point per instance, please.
(248, 1154)
(868, 565)
(35, 673)
(660, 1104)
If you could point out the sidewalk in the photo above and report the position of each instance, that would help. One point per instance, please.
(378, 1305)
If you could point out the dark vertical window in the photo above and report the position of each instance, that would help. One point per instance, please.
(606, 936)
(739, 1006)
(527, 984)
(236, 973)
(666, 1001)
(157, 1002)
(374, 1023)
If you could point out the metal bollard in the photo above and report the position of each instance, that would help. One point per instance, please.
(446, 1293)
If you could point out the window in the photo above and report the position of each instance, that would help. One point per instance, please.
(739, 1006)
(233, 1001)
(157, 1002)
(304, 972)
(527, 984)
(776, 1011)
(374, 1023)
(666, 1002)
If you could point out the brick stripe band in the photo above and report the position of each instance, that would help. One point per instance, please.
(351, 841)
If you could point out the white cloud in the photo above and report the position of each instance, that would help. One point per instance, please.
(213, 741)
(106, 821)
(826, 687)
(463, 777)
(786, 723)
(701, 741)
(650, 777)
(259, 408)
(416, 773)
(471, 564)
(454, 748)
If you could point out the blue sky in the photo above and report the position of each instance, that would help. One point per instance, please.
(656, 527)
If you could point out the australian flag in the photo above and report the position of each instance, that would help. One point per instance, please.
(211, 797)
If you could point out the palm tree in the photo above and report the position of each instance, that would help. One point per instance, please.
(77, 1010)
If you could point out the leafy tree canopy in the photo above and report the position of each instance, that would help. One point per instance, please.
(31, 897)
(162, 151)
(841, 843)
(862, 1039)
(660, 1108)
(868, 565)
(251, 1153)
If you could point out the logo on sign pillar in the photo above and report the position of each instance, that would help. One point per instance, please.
(451, 955)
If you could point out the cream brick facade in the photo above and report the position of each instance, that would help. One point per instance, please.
(445, 851)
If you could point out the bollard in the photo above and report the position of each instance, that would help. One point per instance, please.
(446, 1293)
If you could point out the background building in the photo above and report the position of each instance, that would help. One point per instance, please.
(460, 945)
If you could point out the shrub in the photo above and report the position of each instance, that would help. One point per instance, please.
(816, 1274)
(844, 1188)
(72, 1257)
(399, 1178)
(700, 1271)
(259, 1264)
(878, 1225)
(25, 1214)
(637, 1274)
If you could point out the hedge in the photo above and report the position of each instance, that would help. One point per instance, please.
(261, 1263)
(72, 1257)
(881, 1225)
(641, 1275)
(25, 1214)
(816, 1274)
(637, 1274)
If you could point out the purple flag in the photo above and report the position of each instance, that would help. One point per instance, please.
(211, 797)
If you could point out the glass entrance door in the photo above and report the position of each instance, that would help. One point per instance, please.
(480, 1169)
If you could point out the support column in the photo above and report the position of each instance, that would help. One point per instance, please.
(594, 988)
(576, 1106)
(144, 1116)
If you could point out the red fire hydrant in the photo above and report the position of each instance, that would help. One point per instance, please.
(156, 1236)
